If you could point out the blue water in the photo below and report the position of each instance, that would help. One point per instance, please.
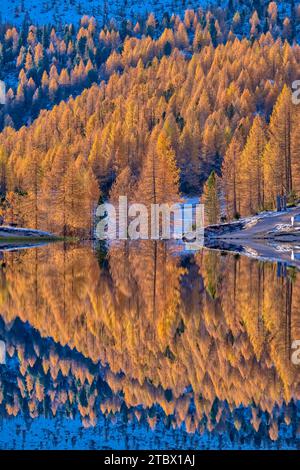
(147, 351)
(68, 429)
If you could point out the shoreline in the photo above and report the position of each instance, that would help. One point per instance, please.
(268, 236)
(22, 233)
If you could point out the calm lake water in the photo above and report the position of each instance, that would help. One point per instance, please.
(146, 347)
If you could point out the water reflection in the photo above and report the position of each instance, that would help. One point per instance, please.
(167, 350)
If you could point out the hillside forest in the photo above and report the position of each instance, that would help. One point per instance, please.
(191, 105)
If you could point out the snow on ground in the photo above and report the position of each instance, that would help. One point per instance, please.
(66, 11)
(284, 228)
(21, 230)
(251, 221)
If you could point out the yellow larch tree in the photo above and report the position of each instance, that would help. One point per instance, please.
(251, 168)
(278, 153)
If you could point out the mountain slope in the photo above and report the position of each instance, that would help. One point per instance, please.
(71, 10)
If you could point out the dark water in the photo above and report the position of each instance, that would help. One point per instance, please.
(147, 347)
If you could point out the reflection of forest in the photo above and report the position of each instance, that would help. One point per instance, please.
(198, 336)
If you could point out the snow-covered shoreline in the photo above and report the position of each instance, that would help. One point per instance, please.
(269, 236)
(266, 225)
(8, 232)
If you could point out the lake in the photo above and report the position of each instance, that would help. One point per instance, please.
(145, 346)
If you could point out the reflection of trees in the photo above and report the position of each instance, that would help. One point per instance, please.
(44, 379)
(199, 336)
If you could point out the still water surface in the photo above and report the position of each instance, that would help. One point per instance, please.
(147, 347)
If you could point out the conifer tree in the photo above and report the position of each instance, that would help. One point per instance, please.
(4, 168)
(278, 153)
(296, 150)
(123, 186)
(230, 176)
(32, 182)
(159, 181)
(211, 200)
(251, 169)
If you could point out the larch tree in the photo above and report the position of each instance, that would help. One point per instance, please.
(278, 153)
(159, 181)
(4, 169)
(211, 199)
(32, 184)
(123, 186)
(72, 190)
(55, 190)
(168, 177)
(91, 198)
(251, 168)
(296, 150)
(231, 175)
(189, 158)
(12, 209)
